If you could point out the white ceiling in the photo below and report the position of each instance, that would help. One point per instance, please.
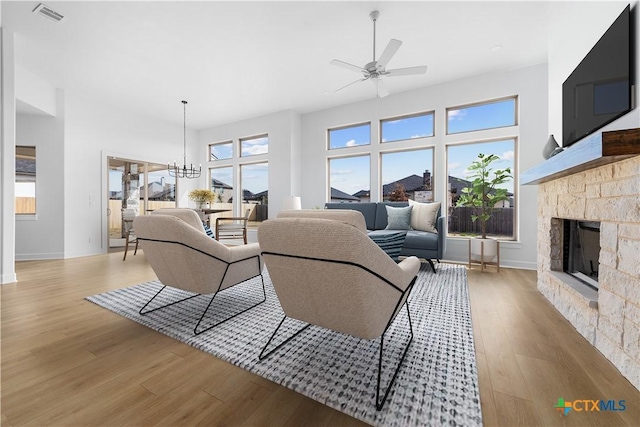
(236, 60)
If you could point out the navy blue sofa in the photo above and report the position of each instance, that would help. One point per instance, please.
(421, 244)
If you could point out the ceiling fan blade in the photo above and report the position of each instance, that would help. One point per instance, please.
(388, 53)
(348, 66)
(352, 83)
(381, 88)
(406, 71)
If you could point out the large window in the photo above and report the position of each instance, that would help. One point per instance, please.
(407, 175)
(221, 151)
(406, 127)
(222, 186)
(254, 146)
(25, 197)
(460, 157)
(487, 115)
(349, 179)
(255, 190)
(350, 136)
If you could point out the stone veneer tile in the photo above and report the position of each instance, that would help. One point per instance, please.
(611, 306)
(576, 183)
(606, 327)
(609, 236)
(571, 206)
(603, 173)
(631, 339)
(593, 191)
(632, 313)
(626, 168)
(607, 258)
(631, 231)
(623, 187)
(629, 256)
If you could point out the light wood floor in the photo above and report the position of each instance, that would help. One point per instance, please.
(66, 361)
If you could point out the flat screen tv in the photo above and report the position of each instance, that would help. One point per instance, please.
(599, 90)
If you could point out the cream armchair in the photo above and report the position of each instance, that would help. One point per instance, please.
(184, 257)
(329, 273)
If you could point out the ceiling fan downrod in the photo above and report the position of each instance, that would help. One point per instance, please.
(374, 17)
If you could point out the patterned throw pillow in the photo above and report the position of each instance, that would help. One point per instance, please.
(398, 218)
(389, 242)
(209, 231)
(424, 216)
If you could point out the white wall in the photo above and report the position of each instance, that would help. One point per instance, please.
(92, 132)
(7, 158)
(530, 84)
(41, 236)
(573, 30)
(283, 129)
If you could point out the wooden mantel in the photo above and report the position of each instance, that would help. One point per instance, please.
(593, 151)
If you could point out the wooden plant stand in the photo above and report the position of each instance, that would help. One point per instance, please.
(483, 264)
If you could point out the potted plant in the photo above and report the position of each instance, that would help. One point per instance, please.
(483, 195)
(202, 197)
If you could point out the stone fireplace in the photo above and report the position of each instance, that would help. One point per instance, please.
(608, 317)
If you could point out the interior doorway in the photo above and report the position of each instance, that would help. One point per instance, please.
(135, 188)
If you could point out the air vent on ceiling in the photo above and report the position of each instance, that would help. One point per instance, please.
(43, 10)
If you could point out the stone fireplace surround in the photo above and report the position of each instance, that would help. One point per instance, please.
(608, 319)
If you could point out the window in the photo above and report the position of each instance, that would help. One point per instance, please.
(25, 198)
(255, 190)
(460, 157)
(407, 127)
(254, 146)
(221, 151)
(407, 175)
(488, 115)
(350, 136)
(349, 179)
(222, 186)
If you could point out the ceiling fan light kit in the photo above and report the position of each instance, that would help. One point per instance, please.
(374, 70)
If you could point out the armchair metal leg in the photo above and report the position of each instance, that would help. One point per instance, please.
(380, 404)
(195, 330)
(263, 355)
(433, 267)
(163, 306)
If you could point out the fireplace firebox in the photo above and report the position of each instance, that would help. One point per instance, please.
(581, 250)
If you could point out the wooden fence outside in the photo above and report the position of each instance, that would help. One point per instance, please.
(25, 205)
(500, 223)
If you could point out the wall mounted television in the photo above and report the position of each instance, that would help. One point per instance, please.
(600, 89)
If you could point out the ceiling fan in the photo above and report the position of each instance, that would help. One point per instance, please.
(374, 70)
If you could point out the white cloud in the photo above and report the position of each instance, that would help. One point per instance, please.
(507, 155)
(453, 166)
(456, 114)
(351, 143)
(253, 150)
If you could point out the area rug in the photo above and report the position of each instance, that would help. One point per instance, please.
(436, 385)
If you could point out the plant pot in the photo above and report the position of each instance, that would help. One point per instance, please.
(484, 250)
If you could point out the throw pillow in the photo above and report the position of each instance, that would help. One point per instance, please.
(423, 216)
(209, 231)
(398, 218)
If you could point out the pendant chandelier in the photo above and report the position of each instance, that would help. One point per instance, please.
(184, 171)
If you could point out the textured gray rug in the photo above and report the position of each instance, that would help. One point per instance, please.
(437, 384)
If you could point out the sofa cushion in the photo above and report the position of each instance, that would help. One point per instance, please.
(381, 213)
(417, 239)
(367, 209)
(424, 216)
(398, 218)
